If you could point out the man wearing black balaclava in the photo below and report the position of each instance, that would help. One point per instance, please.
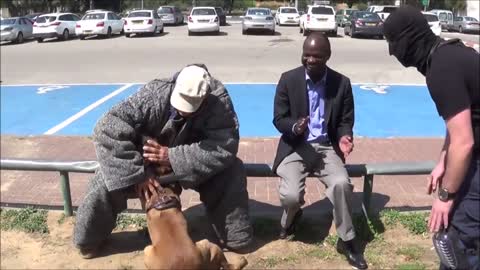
(451, 70)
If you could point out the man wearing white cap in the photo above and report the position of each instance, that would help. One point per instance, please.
(184, 128)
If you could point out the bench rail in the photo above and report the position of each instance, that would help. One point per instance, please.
(367, 171)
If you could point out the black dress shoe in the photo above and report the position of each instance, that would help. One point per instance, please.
(354, 257)
(284, 233)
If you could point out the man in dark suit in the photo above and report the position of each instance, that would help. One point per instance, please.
(314, 112)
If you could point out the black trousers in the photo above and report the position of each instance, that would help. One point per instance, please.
(465, 217)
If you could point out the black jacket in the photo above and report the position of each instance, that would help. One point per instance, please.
(291, 102)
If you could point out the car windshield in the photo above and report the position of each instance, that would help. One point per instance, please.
(322, 10)
(442, 16)
(367, 15)
(389, 9)
(471, 19)
(258, 12)
(8, 21)
(203, 11)
(94, 16)
(140, 14)
(165, 10)
(349, 11)
(288, 10)
(431, 17)
(45, 19)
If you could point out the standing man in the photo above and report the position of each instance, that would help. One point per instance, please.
(314, 111)
(451, 70)
(192, 133)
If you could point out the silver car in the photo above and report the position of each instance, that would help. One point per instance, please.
(258, 19)
(16, 29)
(465, 24)
(170, 15)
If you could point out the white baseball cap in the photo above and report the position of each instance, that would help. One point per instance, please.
(191, 88)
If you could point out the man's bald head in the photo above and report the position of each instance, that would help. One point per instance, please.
(317, 40)
(316, 52)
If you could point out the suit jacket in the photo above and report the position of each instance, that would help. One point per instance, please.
(291, 102)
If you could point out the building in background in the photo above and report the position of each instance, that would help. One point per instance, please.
(473, 9)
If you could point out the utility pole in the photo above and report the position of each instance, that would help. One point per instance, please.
(142, 4)
(296, 4)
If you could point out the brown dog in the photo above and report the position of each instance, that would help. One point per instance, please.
(172, 247)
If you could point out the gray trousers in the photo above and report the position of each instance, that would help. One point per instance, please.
(224, 196)
(329, 168)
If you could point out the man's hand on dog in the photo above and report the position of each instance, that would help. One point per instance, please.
(155, 153)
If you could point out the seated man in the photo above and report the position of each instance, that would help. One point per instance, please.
(193, 131)
(313, 110)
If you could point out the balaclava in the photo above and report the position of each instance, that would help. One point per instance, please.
(409, 37)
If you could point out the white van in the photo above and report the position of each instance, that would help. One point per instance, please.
(382, 11)
(445, 17)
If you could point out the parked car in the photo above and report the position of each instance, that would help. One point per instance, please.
(318, 18)
(104, 23)
(16, 29)
(382, 11)
(445, 17)
(258, 19)
(203, 19)
(143, 22)
(364, 23)
(434, 22)
(342, 16)
(221, 16)
(287, 15)
(55, 25)
(170, 15)
(465, 24)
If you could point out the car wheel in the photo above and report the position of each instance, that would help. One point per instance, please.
(39, 40)
(190, 33)
(65, 34)
(109, 32)
(127, 35)
(460, 29)
(19, 38)
(161, 30)
(244, 32)
(81, 37)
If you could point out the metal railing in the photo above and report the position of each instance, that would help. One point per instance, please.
(367, 171)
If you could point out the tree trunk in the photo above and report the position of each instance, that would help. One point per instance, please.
(92, 4)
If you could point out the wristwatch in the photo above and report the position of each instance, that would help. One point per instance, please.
(444, 195)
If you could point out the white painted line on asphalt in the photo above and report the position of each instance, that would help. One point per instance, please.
(86, 110)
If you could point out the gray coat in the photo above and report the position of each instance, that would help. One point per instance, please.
(205, 145)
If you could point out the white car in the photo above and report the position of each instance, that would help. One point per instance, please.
(318, 18)
(287, 15)
(59, 25)
(143, 21)
(203, 19)
(434, 22)
(103, 23)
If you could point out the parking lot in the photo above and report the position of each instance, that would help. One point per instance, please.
(230, 56)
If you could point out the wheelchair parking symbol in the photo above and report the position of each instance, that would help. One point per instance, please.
(46, 89)
(377, 88)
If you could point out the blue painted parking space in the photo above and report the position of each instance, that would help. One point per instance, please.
(380, 110)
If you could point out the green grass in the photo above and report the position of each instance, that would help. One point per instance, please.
(414, 222)
(411, 253)
(331, 240)
(129, 220)
(411, 266)
(322, 252)
(28, 220)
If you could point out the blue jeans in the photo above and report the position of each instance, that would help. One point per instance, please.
(465, 216)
